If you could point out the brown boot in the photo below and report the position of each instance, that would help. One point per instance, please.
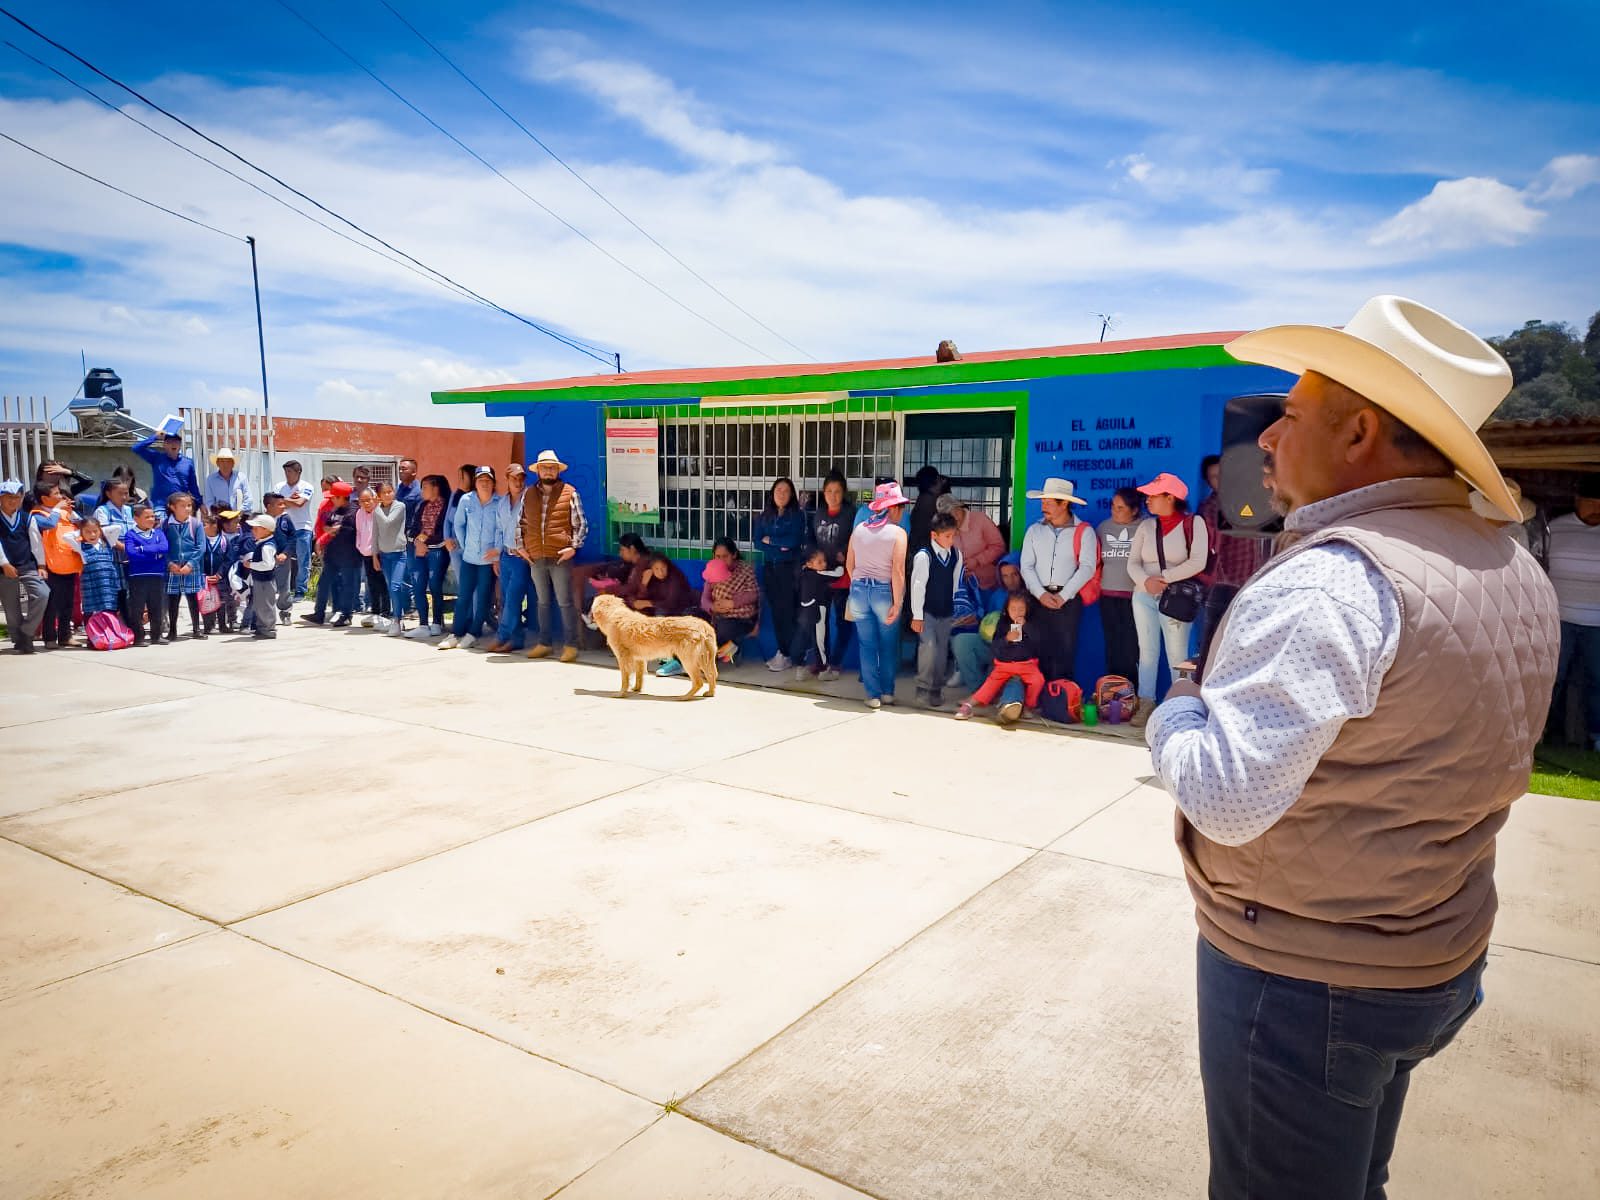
(540, 651)
(496, 647)
(569, 654)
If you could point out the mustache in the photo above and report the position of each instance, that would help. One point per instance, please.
(1268, 464)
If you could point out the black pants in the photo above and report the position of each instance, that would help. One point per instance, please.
(57, 625)
(147, 597)
(1122, 639)
(377, 590)
(782, 582)
(1218, 597)
(1058, 640)
(810, 636)
(729, 629)
(172, 615)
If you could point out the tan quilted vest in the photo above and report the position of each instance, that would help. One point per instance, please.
(546, 520)
(1382, 873)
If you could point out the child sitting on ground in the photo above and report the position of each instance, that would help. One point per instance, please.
(935, 577)
(810, 648)
(102, 574)
(1015, 657)
(145, 548)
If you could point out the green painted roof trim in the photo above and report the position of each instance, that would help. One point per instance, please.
(1181, 358)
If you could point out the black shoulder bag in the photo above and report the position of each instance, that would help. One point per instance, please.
(1182, 600)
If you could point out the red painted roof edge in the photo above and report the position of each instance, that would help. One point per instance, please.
(781, 370)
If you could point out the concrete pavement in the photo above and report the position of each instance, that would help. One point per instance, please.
(347, 916)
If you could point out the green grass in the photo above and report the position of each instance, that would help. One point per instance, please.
(1566, 771)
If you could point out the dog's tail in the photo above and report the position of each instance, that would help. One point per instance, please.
(705, 654)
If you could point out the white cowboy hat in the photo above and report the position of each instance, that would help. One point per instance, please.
(548, 456)
(1525, 507)
(1417, 364)
(1056, 488)
(223, 452)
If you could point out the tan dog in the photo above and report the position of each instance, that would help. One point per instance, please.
(636, 639)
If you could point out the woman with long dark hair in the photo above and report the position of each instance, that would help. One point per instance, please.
(780, 531)
(831, 524)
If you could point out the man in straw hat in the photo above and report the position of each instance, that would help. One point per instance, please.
(226, 487)
(553, 529)
(1059, 555)
(1367, 717)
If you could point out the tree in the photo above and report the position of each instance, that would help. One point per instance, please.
(1535, 348)
(1591, 340)
(1554, 374)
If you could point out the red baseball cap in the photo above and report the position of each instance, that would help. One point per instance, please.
(1166, 484)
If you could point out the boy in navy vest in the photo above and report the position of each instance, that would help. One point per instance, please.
(23, 590)
(935, 576)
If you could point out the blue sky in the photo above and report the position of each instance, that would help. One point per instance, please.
(864, 179)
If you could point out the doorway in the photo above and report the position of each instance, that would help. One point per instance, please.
(974, 450)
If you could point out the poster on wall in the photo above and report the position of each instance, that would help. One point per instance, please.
(633, 485)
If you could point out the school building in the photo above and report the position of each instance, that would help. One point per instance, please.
(1104, 415)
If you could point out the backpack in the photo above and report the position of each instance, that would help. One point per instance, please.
(1061, 702)
(1089, 593)
(106, 631)
(1116, 698)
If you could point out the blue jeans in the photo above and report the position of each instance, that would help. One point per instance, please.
(1582, 640)
(516, 582)
(1154, 629)
(870, 602)
(427, 575)
(394, 574)
(1304, 1082)
(474, 595)
(346, 586)
(973, 658)
(302, 561)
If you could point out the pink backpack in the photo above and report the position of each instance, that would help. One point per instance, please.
(107, 632)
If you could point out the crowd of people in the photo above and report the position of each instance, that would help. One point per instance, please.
(992, 624)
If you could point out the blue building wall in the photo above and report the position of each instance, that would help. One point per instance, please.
(1102, 431)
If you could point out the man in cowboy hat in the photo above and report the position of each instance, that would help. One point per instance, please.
(1367, 717)
(553, 530)
(226, 487)
(1059, 555)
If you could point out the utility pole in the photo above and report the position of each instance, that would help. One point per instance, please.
(618, 357)
(261, 337)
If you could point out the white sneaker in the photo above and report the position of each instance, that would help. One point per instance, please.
(450, 643)
(396, 629)
(467, 641)
(801, 674)
(420, 634)
(874, 703)
(368, 621)
(435, 630)
(381, 624)
(779, 662)
(829, 675)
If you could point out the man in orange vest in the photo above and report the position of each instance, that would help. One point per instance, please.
(550, 534)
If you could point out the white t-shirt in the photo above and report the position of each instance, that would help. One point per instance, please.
(1575, 569)
(306, 514)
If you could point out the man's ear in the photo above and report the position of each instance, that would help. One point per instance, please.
(1362, 435)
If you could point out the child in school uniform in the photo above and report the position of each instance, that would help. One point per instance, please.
(810, 649)
(283, 537)
(56, 522)
(935, 578)
(1016, 656)
(144, 547)
(262, 561)
(102, 573)
(186, 551)
(214, 563)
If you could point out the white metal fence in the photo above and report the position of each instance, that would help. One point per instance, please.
(26, 439)
(246, 432)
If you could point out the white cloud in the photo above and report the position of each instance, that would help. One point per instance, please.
(1226, 185)
(1459, 214)
(657, 105)
(1564, 177)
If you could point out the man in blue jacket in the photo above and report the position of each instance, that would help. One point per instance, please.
(172, 470)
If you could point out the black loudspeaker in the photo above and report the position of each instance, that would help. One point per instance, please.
(1246, 502)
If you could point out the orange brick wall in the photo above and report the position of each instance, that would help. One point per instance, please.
(439, 451)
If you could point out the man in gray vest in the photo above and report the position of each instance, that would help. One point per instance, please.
(1368, 716)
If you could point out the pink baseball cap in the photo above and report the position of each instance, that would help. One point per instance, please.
(1166, 484)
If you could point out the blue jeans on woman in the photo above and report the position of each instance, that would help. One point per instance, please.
(1155, 628)
(870, 602)
(1304, 1082)
(394, 574)
(516, 583)
(474, 595)
(428, 574)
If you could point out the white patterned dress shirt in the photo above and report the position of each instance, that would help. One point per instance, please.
(1305, 649)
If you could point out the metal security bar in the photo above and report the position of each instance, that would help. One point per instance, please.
(26, 438)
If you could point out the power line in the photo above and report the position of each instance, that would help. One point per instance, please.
(340, 217)
(527, 195)
(573, 171)
(120, 191)
(274, 197)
